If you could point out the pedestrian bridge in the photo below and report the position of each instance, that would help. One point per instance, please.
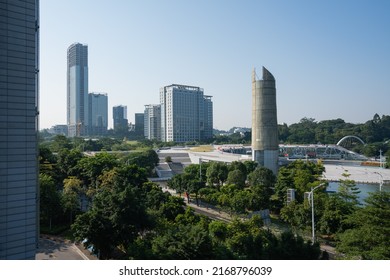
(318, 151)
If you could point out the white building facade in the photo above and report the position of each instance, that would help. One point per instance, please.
(152, 122)
(186, 114)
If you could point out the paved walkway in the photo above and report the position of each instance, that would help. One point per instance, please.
(57, 248)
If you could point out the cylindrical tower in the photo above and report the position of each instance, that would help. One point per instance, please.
(265, 142)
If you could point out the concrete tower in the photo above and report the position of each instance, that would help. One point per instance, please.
(265, 142)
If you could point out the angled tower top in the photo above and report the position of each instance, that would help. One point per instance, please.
(267, 76)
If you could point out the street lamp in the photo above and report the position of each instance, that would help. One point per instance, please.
(380, 182)
(311, 197)
(200, 169)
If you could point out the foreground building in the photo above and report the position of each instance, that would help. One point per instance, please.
(19, 191)
(265, 140)
(77, 90)
(186, 114)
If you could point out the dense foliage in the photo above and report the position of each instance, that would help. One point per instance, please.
(112, 206)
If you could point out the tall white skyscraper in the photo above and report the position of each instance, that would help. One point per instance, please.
(98, 113)
(186, 114)
(19, 191)
(77, 90)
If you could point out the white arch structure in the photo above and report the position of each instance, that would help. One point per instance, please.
(350, 136)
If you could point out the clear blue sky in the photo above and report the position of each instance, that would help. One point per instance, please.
(330, 59)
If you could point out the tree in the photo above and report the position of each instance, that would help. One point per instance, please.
(183, 242)
(236, 177)
(244, 239)
(91, 168)
(262, 176)
(193, 186)
(67, 162)
(250, 166)
(336, 211)
(71, 196)
(177, 183)
(50, 200)
(118, 212)
(297, 215)
(368, 236)
(216, 173)
(172, 208)
(48, 164)
(348, 190)
(292, 247)
(60, 142)
(299, 175)
(238, 165)
(147, 159)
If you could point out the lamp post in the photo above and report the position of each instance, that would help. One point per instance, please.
(311, 201)
(380, 182)
(200, 169)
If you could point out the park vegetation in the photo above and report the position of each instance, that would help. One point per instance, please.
(107, 202)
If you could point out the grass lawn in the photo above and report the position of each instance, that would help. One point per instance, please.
(202, 148)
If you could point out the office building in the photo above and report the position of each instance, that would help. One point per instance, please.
(77, 90)
(98, 113)
(19, 191)
(152, 122)
(59, 129)
(208, 118)
(139, 124)
(119, 115)
(186, 114)
(265, 142)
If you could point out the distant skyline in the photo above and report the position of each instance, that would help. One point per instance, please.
(330, 59)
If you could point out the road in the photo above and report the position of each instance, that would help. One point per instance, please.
(51, 248)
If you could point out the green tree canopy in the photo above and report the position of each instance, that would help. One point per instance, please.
(368, 236)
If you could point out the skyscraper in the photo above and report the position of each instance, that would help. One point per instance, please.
(77, 90)
(186, 114)
(98, 113)
(19, 191)
(119, 114)
(152, 122)
(265, 143)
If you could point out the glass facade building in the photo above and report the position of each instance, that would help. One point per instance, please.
(119, 114)
(77, 90)
(98, 113)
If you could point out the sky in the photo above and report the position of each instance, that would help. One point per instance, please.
(330, 59)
